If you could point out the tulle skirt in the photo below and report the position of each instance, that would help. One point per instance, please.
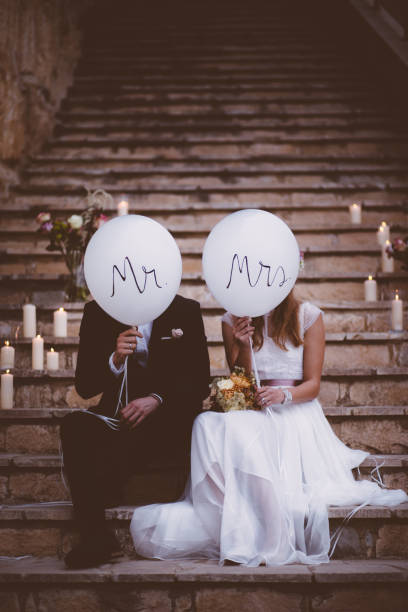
(259, 490)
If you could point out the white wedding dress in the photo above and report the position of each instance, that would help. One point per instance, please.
(261, 482)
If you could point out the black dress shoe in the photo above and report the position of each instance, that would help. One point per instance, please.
(93, 552)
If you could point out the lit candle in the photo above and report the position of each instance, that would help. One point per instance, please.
(370, 290)
(123, 208)
(387, 263)
(60, 323)
(29, 321)
(7, 391)
(7, 355)
(383, 233)
(397, 310)
(52, 360)
(38, 353)
(355, 214)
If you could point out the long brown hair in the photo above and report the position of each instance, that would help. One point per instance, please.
(284, 324)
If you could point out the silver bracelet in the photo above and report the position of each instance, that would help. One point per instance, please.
(288, 396)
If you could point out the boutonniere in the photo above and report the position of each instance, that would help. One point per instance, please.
(176, 334)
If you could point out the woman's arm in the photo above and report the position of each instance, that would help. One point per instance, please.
(313, 356)
(236, 343)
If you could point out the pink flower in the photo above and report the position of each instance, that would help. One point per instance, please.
(43, 217)
(99, 221)
(399, 245)
(47, 227)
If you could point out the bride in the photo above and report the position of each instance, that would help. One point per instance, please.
(261, 481)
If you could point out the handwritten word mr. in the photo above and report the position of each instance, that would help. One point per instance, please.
(140, 287)
(243, 268)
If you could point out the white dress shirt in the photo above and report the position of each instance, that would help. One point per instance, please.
(141, 352)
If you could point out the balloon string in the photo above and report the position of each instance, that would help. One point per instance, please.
(258, 382)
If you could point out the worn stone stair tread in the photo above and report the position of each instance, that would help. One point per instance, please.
(30, 461)
(196, 251)
(331, 337)
(328, 373)
(75, 307)
(52, 571)
(27, 414)
(63, 512)
(303, 277)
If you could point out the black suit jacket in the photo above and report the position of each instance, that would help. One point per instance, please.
(178, 369)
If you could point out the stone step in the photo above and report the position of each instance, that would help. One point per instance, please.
(37, 478)
(351, 386)
(226, 149)
(204, 586)
(220, 182)
(201, 209)
(341, 236)
(44, 288)
(44, 165)
(271, 98)
(187, 134)
(362, 349)
(347, 317)
(44, 530)
(323, 260)
(375, 429)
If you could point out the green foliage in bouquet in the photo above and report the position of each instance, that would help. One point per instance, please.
(234, 392)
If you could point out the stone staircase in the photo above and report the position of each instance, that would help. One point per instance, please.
(194, 110)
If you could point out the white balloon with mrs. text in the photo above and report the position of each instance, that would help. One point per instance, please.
(251, 262)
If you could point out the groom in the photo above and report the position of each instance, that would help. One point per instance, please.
(167, 378)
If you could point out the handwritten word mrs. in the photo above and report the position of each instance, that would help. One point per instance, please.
(253, 282)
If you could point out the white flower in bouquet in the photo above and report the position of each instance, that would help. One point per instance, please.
(75, 221)
(225, 383)
(43, 217)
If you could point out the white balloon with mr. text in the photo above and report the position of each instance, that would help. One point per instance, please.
(251, 262)
(133, 269)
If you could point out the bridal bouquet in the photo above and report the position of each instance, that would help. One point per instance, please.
(234, 392)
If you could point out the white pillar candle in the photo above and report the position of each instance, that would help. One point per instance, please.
(7, 355)
(397, 313)
(38, 353)
(29, 321)
(387, 263)
(370, 290)
(60, 323)
(355, 214)
(7, 391)
(52, 360)
(123, 208)
(383, 233)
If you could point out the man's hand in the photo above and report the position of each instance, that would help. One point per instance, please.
(135, 412)
(125, 345)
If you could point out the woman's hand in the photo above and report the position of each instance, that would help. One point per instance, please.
(136, 412)
(243, 330)
(125, 345)
(265, 396)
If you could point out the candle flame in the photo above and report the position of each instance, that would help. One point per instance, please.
(7, 371)
(383, 224)
(355, 205)
(370, 277)
(387, 242)
(396, 295)
(61, 309)
(381, 228)
(38, 335)
(52, 350)
(7, 343)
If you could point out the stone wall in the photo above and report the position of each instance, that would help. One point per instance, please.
(39, 47)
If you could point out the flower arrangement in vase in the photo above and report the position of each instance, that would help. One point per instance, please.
(398, 249)
(71, 236)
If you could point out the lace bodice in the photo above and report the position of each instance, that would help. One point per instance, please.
(274, 363)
